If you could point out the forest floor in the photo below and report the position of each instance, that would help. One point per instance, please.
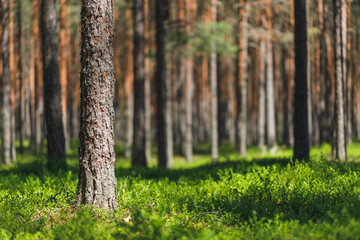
(258, 197)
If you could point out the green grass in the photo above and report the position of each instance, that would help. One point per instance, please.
(258, 197)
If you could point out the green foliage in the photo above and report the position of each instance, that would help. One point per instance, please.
(258, 197)
(215, 33)
(202, 40)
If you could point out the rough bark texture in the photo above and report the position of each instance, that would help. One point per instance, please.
(214, 96)
(339, 145)
(6, 134)
(301, 132)
(97, 182)
(242, 88)
(52, 94)
(139, 144)
(164, 123)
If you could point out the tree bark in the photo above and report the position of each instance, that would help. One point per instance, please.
(63, 66)
(52, 88)
(242, 78)
(164, 121)
(301, 132)
(191, 8)
(129, 81)
(339, 145)
(262, 101)
(21, 110)
(214, 96)
(6, 111)
(139, 143)
(270, 94)
(147, 84)
(97, 182)
(12, 78)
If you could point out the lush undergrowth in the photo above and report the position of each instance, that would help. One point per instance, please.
(258, 197)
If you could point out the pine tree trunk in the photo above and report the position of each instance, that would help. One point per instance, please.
(97, 182)
(164, 123)
(191, 8)
(63, 66)
(139, 147)
(12, 78)
(270, 89)
(6, 110)
(214, 96)
(52, 88)
(339, 144)
(21, 110)
(32, 53)
(129, 78)
(262, 101)
(242, 78)
(301, 132)
(147, 84)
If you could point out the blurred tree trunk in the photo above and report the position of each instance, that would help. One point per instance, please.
(214, 96)
(12, 78)
(330, 75)
(63, 65)
(262, 101)
(242, 77)
(6, 108)
(270, 94)
(97, 182)
(139, 143)
(52, 87)
(32, 53)
(349, 81)
(21, 109)
(301, 125)
(339, 144)
(164, 121)
(129, 81)
(147, 83)
(191, 8)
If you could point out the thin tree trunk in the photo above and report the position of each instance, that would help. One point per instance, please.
(262, 100)
(339, 144)
(6, 111)
(349, 81)
(63, 66)
(12, 79)
(32, 53)
(242, 78)
(301, 127)
(270, 94)
(214, 96)
(129, 79)
(139, 143)
(52, 91)
(97, 182)
(147, 84)
(21, 84)
(191, 8)
(164, 121)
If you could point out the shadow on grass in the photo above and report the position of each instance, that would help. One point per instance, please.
(201, 172)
